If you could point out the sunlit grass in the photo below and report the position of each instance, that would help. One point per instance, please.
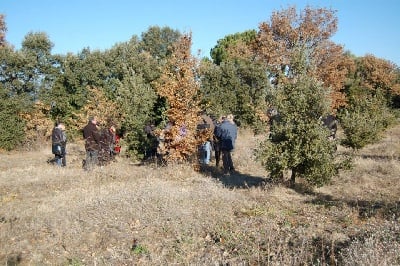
(126, 214)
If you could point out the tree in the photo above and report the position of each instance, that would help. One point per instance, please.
(38, 124)
(178, 84)
(377, 74)
(3, 30)
(364, 120)
(221, 52)
(12, 125)
(136, 100)
(40, 68)
(240, 82)
(237, 87)
(371, 89)
(99, 105)
(159, 41)
(299, 141)
(310, 31)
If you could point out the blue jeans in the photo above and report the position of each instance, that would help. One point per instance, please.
(60, 160)
(206, 152)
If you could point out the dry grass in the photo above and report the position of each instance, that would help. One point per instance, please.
(127, 214)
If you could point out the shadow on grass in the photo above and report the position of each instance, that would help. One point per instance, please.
(234, 180)
(379, 157)
(366, 208)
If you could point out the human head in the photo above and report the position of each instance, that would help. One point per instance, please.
(61, 126)
(93, 120)
(229, 117)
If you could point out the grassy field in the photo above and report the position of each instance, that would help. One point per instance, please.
(131, 214)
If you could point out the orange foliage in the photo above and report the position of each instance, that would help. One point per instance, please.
(38, 125)
(98, 105)
(332, 68)
(240, 50)
(310, 30)
(378, 73)
(179, 86)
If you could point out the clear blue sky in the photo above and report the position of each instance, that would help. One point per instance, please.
(365, 26)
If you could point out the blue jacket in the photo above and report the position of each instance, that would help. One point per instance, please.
(227, 134)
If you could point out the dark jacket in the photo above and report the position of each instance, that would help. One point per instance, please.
(227, 134)
(58, 141)
(107, 140)
(91, 134)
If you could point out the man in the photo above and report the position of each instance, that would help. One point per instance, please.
(216, 141)
(91, 134)
(227, 134)
(59, 144)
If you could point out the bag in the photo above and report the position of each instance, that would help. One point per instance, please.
(56, 149)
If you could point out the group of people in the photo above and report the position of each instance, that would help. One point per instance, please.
(225, 133)
(101, 144)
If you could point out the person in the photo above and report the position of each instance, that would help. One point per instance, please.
(227, 134)
(106, 145)
(59, 144)
(151, 141)
(91, 134)
(216, 141)
(331, 123)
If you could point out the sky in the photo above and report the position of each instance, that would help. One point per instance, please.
(364, 27)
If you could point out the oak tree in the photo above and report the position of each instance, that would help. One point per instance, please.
(310, 30)
(179, 85)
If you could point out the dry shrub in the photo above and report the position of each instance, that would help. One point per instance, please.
(38, 125)
(98, 105)
(379, 247)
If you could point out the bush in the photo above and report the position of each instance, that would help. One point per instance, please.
(12, 125)
(364, 119)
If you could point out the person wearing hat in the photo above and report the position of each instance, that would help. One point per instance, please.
(91, 134)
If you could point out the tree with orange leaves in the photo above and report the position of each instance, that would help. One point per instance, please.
(378, 74)
(179, 86)
(310, 31)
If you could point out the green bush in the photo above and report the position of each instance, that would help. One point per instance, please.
(12, 125)
(364, 119)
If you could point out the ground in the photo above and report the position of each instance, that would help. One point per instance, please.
(132, 214)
